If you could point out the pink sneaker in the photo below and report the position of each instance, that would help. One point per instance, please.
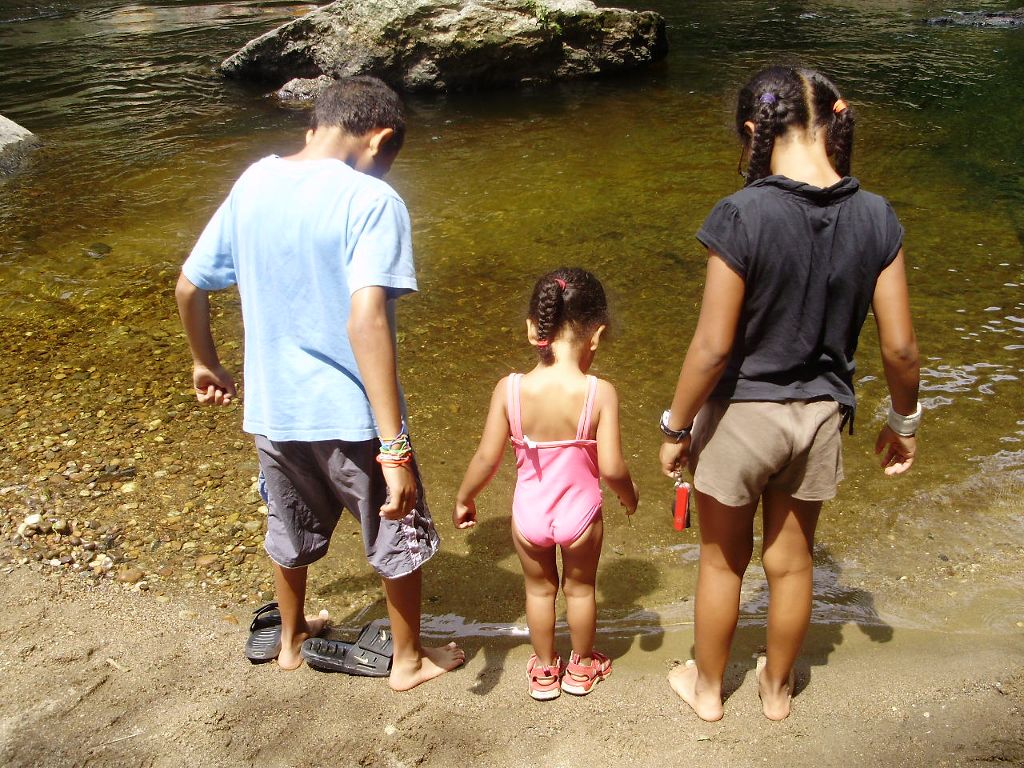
(544, 680)
(580, 680)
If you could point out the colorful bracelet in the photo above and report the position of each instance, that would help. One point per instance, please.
(397, 451)
(387, 461)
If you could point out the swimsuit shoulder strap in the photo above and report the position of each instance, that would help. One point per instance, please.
(588, 409)
(515, 416)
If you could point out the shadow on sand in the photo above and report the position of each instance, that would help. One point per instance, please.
(835, 606)
(477, 598)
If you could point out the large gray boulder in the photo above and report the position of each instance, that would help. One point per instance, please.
(441, 45)
(998, 19)
(15, 143)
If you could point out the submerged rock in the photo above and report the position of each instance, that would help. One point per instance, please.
(15, 143)
(999, 19)
(441, 45)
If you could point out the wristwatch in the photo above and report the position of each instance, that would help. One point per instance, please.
(678, 435)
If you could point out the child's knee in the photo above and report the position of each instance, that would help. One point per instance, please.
(578, 590)
(541, 589)
(734, 561)
(778, 565)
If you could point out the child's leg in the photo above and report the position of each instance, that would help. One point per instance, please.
(788, 563)
(411, 663)
(540, 569)
(579, 575)
(726, 543)
(290, 590)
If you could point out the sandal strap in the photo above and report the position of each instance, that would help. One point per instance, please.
(538, 671)
(598, 664)
(258, 614)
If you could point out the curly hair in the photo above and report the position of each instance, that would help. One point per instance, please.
(567, 296)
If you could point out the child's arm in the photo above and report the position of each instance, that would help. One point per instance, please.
(212, 383)
(610, 460)
(891, 305)
(706, 356)
(373, 346)
(487, 459)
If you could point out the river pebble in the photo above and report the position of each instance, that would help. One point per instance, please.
(110, 469)
(130, 575)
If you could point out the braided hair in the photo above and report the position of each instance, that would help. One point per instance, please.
(780, 98)
(567, 296)
(834, 115)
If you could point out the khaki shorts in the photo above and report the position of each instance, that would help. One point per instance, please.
(740, 448)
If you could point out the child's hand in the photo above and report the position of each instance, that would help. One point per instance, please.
(899, 451)
(213, 385)
(402, 492)
(674, 456)
(464, 514)
(631, 504)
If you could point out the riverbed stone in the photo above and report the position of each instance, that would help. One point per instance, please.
(446, 45)
(15, 144)
(991, 19)
(129, 575)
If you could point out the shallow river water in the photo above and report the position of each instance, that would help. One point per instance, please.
(142, 140)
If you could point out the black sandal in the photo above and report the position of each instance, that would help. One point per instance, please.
(264, 643)
(369, 656)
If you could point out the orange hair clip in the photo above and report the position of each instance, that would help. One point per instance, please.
(840, 106)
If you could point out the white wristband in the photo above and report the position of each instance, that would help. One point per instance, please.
(904, 426)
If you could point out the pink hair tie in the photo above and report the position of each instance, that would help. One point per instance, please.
(561, 283)
(543, 343)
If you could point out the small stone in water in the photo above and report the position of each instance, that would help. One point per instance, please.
(98, 250)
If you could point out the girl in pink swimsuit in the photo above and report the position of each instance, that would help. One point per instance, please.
(564, 427)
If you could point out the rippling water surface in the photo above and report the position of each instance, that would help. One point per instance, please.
(142, 139)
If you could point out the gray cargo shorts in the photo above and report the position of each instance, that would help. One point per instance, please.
(307, 485)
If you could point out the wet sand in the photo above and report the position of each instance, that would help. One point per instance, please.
(98, 674)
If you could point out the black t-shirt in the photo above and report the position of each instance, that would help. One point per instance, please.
(809, 258)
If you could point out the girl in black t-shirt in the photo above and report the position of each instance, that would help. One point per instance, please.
(795, 260)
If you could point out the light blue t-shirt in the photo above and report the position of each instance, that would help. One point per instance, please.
(299, 238)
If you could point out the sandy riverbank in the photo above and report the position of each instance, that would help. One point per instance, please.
(100, 675)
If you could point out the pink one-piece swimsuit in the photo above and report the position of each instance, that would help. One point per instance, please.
(558, 489)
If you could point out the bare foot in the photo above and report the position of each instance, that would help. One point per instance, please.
(408, 673)
(290, 658)
(707, 705)
(775, 701)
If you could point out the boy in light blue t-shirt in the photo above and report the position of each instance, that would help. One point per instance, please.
(320, 248)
